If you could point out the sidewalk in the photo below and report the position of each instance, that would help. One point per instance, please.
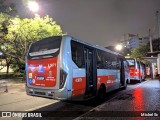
(11, 86)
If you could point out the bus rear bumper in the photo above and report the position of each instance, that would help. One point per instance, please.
(61, 94)
(134, 78)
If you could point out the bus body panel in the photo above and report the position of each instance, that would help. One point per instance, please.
(75, 85)
(111, 78)
(42, 73)
(50, 91)
(66, 64)
(79, 82)
(137, 71)
(59, 94)
(75, 75)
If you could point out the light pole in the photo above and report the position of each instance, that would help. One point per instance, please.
(150, 41)
(158, 24)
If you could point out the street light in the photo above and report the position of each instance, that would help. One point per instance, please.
(33, 6)
(118, 47)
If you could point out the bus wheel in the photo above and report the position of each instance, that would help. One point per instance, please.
(101, 93)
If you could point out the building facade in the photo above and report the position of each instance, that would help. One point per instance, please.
(135, 41)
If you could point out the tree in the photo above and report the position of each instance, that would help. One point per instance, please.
(6, 13)
(125, 51)
(140, 52)
(4, 22)
(23, 32)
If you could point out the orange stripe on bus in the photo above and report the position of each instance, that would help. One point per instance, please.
(78, 85)
(107, 80)
(78, 92)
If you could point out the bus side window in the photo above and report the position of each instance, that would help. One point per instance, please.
(110, 61)
(114, 62)
(77, 54)
(126, 66)
(98, 64)
(99, 59)
(117, 63)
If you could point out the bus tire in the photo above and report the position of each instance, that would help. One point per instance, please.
(101, 93)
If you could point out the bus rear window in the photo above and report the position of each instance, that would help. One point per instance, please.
(45, 48)
(131, 62)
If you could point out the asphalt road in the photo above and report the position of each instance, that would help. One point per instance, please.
(17, 100)
(143, 96)
(141, 102)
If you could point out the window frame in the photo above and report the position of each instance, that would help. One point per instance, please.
(82, 52)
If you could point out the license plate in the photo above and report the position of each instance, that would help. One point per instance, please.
(40, 78)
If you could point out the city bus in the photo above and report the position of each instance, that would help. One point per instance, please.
(66, 68)
(137, 70)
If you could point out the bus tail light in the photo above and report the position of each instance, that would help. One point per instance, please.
(63, 76)
(135, 72)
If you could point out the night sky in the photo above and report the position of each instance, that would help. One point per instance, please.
(102, 22)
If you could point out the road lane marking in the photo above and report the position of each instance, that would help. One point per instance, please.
(38, 107)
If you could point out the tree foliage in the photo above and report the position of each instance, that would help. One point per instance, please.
(140, 52)
(4, 23)
(6, 13)
(22, 32)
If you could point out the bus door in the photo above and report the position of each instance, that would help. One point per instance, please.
(91, 74)
(122, 72)
(139, 70)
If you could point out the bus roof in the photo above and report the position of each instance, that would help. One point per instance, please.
(92, 45)
(86, 43)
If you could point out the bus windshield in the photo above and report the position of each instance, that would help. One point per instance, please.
(45, 48)
(131, 62)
